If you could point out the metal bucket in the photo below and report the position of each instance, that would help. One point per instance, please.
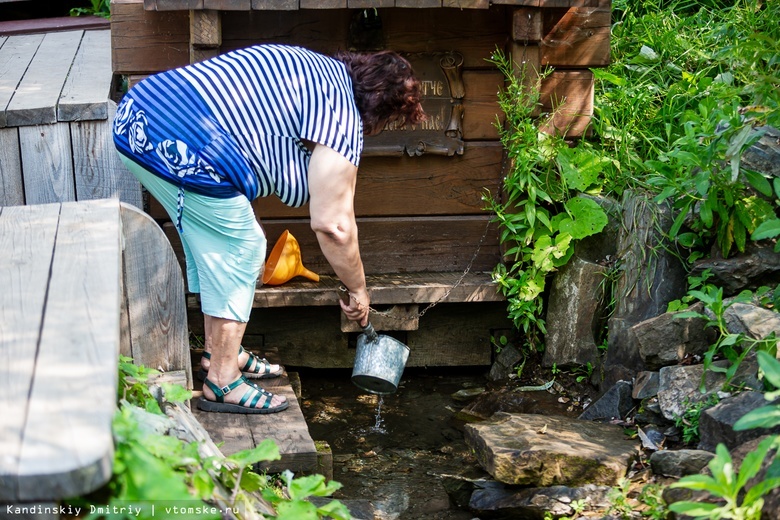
(379, 362)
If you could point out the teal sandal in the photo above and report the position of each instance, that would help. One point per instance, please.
(254, 368)
(247, 403)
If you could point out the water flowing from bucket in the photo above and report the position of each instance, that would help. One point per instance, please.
(378, 428)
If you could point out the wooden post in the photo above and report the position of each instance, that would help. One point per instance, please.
(205, 34)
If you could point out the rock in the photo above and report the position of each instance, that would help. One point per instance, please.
(505, 399)
(505, 362)
(601, 248)
(650, 277)
(616, 403)
(678, 463)
(764, 155)
(716, 424)
(535, 502)
(645, 385)
(574, 314)
(667, 340)
(540, 450)
(467, 394)
(758, 265)
(679, 385)
(751, 320)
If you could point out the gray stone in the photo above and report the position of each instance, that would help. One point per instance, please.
(667, 339)
(539, 450)
(601, 248)
(764, 155)
(751, 320)
(650, 277)
(771, 509)
(616, 403)
(535, 502)
(574, 314)
(467, 394)
(678, 463)
(758, 265)
(505, 363)
(645, 385)
(679, 385)
(716, 424)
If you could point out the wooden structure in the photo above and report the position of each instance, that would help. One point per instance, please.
(419, 195)
(86, 281)
(55, 120)
(59, 343)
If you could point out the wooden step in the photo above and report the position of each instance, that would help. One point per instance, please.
(236, 432)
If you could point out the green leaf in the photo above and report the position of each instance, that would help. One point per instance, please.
(771, 367)
(694, 509)
(266, 450)
(751, 464)
(758, 181)
(335, 510)
(296, 510)
(699, 483)
(764, 417)
(587, 218)
(767, 229)
(175, 393)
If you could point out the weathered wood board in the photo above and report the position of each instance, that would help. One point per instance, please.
(11, 183)
(60, 343)
(48, 165)
(87, 90)
(15, 55)
(287, 428)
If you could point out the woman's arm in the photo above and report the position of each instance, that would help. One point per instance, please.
(332, 181)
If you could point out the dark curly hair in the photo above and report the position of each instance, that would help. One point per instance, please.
(385, 88)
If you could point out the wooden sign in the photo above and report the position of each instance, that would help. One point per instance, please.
(443, 91)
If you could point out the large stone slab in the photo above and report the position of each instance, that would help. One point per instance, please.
(541, 450)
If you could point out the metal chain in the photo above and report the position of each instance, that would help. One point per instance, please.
(443, 297)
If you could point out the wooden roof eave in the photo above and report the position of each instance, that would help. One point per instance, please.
(295, 5)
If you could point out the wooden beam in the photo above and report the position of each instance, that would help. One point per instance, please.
(275, 5)
(569, 95)
(578, 37)
(205, 34)
(145, 42)
(527, 25)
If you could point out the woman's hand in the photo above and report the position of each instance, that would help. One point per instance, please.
(356, 306)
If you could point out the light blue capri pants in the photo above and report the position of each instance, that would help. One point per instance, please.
(224, 245)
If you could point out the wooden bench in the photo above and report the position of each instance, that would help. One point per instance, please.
(59, 342)
(56, 110)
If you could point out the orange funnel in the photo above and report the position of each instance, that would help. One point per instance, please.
(284, 263)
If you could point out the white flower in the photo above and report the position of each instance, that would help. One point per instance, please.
(137, 138)
(123, 116)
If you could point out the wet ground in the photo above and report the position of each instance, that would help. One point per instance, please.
(402, 459)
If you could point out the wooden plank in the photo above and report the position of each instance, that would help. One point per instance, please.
(323, 4)
(172, 5)
(385, 289)
(98, 172)
(47, 163)
(37, 95)
(527, 24)
(27, 236)
(11, 184)
(368, 4)
(15, 56)
(144, 42)
(418, 3)
(154, 290)
(53, 24)
(287, 428)
(577, 37)
(205, 34)
(68, 446)
(570, 94)
(402, 245)
(87, 90)
(480, 104)
(425, 185)
(275, 5)
(228, 5)
(466, 4)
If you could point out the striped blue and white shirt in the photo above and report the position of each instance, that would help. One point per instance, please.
(234, 124)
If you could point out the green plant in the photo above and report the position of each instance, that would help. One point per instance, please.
(688, 422)
(734, 347)
(766, 416)
(154, 470)
(619, 502)
(97, 8)
(541, 213)
(729, 486)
